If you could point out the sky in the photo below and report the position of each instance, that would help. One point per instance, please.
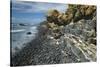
(32, 12)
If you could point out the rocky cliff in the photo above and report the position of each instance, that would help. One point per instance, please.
(68, 37)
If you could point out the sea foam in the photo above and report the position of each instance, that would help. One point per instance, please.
(18, 30)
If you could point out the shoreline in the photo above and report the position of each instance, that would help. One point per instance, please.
(25, 38)
(46, 50)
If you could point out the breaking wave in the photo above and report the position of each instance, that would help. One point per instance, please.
(17, 30)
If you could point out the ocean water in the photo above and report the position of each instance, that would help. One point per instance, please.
(20, 36)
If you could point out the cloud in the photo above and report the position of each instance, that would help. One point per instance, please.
(32, 7)
(21, 10)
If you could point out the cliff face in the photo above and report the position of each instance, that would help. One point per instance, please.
(63, 38)
(73, 32)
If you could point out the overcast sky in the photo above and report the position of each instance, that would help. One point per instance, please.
(33, 12)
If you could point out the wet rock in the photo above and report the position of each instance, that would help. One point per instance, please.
(21, 24)
(29, 33)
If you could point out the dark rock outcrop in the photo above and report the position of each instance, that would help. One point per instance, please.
(29, 33)
(22, 24)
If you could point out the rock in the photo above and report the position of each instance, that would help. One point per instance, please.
(57, 35)
(52, 16)
(68, 18)
(62, 18)
(92, 40)
(52, 19)
(21, 24)
(90, 10)
(29, 33)
(82, 10)
(51, 25)
(77, 16)
(57, 43)
(53, 12)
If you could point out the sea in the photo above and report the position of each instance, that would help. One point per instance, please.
(20, 34)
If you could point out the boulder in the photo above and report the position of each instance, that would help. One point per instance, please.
(21, 24)
(29, 33)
